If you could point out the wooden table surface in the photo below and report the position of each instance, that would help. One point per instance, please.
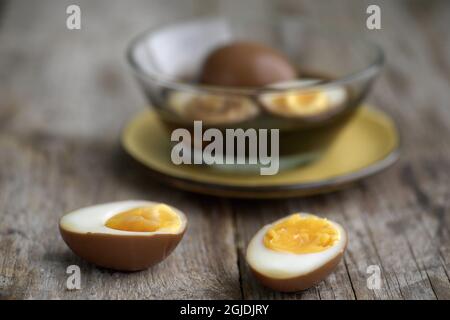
(65, 95)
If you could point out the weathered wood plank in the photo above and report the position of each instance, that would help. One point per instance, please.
(65, 96)
(397, 220)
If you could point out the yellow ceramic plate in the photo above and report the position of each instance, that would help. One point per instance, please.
(368, 144)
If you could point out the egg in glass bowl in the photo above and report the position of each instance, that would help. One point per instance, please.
(284, 74)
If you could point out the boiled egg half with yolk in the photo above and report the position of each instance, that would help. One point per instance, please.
(212, 109)
(126, 235)
(303, 102)
(296, 252)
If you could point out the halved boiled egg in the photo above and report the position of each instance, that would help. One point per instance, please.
(126, 235)
(303, 102)
(296, 252)
(212, 109)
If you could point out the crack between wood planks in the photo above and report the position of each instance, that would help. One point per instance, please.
(413, 256)
(345, 258)
(424, 201)
(350, 278)
(377, 254)
(344, 215)
(418, 267)
(369, 232)
(236, 245)
(445, 271)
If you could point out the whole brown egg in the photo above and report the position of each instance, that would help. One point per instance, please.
(246, 64)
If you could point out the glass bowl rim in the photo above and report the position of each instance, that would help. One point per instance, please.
(371, 69)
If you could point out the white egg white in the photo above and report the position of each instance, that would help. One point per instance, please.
(92, 219)
(178, 101)
(284, 265)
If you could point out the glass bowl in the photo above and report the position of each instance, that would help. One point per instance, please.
(336, 72)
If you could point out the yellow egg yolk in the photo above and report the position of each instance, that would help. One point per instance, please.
(301, 234)
(159, 217)
(309, 102)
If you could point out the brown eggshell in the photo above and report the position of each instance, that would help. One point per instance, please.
(124, 253)
(246, 64)
(301, 282)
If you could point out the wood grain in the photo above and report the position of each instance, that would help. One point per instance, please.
(59, 151)
(65, 95)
